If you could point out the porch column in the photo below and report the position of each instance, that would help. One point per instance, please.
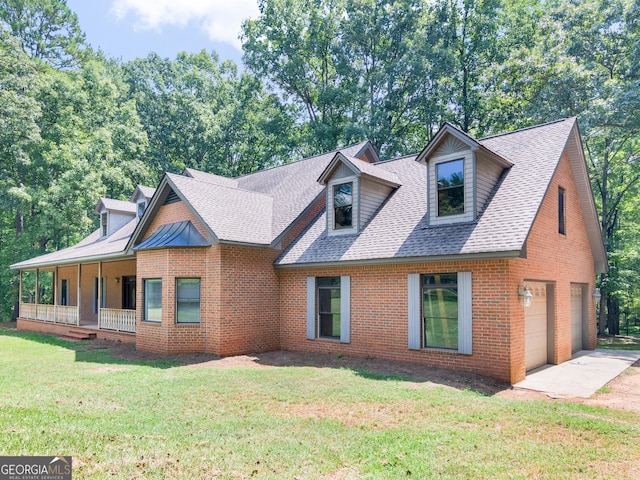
(55, 294)
(37, 299)
(99, 292)
(20, 289)
(78, 294)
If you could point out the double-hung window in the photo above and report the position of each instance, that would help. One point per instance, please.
(343, 205)
(329, 308)
(187, 300)
(103, 223)
(440, 311)
(153, 299)
(450, 187)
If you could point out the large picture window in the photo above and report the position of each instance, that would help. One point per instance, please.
(450, 187)
(153, 299)
(188, 300)
(343, 205)
(328, 294)
(440, 310)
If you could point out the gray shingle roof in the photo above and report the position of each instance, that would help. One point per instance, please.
(92, 247)
(232, 214)
(116, 205)
(360, 167)
(399, 229)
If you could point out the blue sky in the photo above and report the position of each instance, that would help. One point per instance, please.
(129, 29)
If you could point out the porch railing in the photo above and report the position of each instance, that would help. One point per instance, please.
(117, 319)
(50, 313)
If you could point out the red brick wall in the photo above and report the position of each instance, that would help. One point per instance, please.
(379, 313)
(88, 272)
(169, 264)
(558, 260)
(249, 316)
(379, 298)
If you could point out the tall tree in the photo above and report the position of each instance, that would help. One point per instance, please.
(46, 29)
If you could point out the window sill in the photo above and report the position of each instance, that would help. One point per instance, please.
(152, 322)
(188, 324)
(443, 351)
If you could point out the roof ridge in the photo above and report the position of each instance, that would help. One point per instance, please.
(531, 127)
(220, 185)
(388, 160)
(300, 160)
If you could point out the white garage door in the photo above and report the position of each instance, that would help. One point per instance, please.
(535, 327)
(576, 318)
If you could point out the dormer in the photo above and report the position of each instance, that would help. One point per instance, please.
(141, 197)
(355, 191)
(114, 214)
(461, 174)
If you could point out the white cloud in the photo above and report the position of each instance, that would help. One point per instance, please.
(220, 19)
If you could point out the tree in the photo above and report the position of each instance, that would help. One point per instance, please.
(46, 29)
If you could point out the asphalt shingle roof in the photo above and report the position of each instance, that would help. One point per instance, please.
(400, 229)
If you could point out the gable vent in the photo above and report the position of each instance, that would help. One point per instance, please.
(342, 171)
(172, 197)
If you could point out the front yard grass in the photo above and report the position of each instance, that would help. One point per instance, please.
(124, 419)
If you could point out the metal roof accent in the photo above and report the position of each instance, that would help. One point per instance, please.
(179, 234)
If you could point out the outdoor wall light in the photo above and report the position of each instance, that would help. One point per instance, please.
(525, 296)
(117, 279)
(596, 295)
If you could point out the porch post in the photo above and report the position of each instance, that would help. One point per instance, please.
(78, 294)
(20, 290)
(99, 292)
(37, 291)
(55, 294)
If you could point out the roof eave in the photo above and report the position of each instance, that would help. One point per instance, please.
(505, 255)
(75, 261)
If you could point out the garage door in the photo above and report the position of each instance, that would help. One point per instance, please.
(535, 327)
(576, 318)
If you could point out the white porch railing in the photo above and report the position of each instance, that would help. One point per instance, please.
(117, 319)
(50, 313)
(46, 313)
(28, 310)
(66, 314)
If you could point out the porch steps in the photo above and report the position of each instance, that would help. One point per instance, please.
(79, 334)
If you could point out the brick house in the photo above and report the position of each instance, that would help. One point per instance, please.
(476, 255)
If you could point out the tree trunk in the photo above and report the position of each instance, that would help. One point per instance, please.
(602, 317)
(613, 316)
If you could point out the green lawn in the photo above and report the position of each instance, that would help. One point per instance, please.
(122, 419)
(622, 342)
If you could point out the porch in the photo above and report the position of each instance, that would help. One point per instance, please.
(100, 295)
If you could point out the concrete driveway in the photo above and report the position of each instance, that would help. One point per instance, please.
(583, 375)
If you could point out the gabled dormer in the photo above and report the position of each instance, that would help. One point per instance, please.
(355, 191)
(461, 174)
(141, 197)
(114, 214)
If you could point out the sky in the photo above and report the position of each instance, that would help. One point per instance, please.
(128, 29)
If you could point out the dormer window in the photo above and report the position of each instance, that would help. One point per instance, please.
(450, 187)
(141, 208)
(103, 223)
(343, 205)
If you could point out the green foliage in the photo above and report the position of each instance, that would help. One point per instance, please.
(141, 419)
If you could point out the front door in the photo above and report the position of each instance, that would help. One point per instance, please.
(129, 293)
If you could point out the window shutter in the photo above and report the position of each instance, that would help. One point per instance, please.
(465, 316)
(345, 309)
(414, 311)
(311, 308)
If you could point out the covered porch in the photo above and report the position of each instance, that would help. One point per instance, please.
(98, 295)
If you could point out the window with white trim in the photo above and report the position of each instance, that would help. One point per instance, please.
(329, 308)
(440, 311)
(103, 223)
(343, 205)
(450, 183)
(152, 293)
(187, 300)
